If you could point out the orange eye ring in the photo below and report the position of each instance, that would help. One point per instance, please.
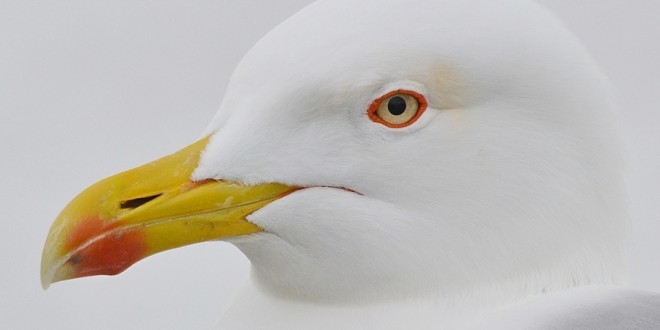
(389, 110)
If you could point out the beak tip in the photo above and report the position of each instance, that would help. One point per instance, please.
(46, 276)
(54, 276)
(46, 281)
(51, 272)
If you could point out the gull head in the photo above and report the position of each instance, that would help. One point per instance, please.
(370, 150)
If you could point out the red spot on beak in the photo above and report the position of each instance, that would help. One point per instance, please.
(110, 249)
(87, 229)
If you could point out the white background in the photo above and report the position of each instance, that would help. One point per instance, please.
(90, 88)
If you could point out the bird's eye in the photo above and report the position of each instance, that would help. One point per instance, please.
(397, 109)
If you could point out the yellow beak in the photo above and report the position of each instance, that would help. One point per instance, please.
(152, 208)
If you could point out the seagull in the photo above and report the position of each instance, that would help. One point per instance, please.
(391, 164)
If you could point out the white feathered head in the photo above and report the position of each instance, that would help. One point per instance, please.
(385, 149)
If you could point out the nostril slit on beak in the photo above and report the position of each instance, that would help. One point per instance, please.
(137, 202)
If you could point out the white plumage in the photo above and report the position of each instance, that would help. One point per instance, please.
(509, 186)
(497, 202)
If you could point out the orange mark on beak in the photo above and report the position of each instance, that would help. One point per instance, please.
(111, 250)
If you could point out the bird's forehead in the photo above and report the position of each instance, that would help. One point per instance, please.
(331, 38)
(341, 47)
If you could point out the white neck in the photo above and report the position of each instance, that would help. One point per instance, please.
(254, 308)
(258, 308)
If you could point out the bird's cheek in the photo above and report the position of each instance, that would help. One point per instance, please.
(326, 218)
(307, 211)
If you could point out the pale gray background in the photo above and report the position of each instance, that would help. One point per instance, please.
(89, 88)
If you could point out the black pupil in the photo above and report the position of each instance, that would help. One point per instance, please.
(396, 105)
